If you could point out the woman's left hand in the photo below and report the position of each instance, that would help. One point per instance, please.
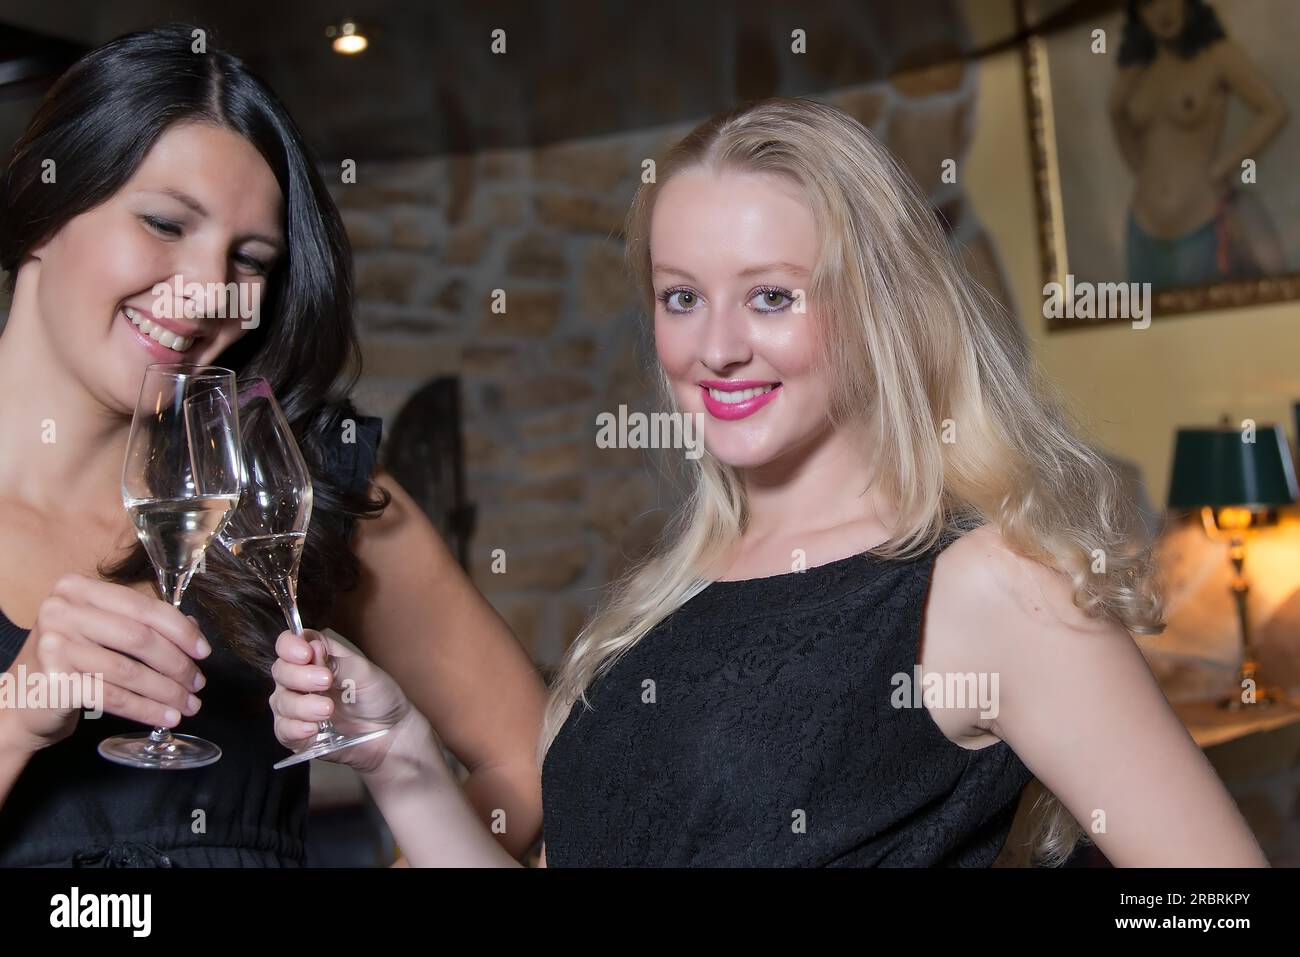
(356, 694)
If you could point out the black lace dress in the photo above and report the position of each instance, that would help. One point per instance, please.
(754, 727)
(72, 808)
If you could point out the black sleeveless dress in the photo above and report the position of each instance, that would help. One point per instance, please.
(754, 727)
(72, 808)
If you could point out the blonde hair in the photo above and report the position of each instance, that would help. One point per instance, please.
(907, 340)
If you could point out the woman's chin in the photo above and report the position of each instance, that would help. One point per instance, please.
(743, 455)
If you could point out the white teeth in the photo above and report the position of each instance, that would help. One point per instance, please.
(156, 332)
(733, 397)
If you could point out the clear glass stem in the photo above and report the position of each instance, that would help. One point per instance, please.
(286, 593)
(171, 586)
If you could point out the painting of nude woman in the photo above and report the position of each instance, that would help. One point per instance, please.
(1165, 150)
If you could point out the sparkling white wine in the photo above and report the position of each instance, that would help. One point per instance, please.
(176, 531)
(274, 558)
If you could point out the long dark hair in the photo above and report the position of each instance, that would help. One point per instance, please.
(98, 122)
(1201, 28)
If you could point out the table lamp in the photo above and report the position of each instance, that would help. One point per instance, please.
(1236, 478)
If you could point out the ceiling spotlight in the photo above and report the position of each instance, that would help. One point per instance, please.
(347, 37)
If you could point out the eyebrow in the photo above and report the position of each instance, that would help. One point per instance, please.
(744, 273)
(187, 200)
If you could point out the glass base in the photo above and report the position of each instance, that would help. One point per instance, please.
(327, 742)
(149, 750)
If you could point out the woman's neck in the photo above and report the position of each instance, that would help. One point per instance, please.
(814, 489)
(60, 448)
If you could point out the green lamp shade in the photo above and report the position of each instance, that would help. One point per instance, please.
(1218, 467)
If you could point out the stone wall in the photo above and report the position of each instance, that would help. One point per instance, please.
(433, 238)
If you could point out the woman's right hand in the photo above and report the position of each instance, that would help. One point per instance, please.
(143, 648)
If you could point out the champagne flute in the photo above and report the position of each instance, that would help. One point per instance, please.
(267, 529)
(180, 481)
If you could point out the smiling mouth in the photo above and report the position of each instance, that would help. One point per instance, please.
(743, 395)
(164, 337)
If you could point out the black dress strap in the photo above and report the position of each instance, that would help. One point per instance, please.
(11, 641)
(351, 458)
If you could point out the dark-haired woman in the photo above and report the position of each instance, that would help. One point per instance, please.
(1169, 107)
(149, 163)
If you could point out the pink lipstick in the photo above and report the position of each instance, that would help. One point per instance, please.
(731, 399)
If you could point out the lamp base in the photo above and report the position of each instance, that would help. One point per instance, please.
(1266, 696)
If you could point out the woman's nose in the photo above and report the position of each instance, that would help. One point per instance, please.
(206, 279)
(726, 338)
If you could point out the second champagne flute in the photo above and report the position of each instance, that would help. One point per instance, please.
(180, 480)
(267, 529)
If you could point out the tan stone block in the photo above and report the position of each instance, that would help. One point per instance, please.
(505, 209)
(482, 451)
(561, 458)
(580, 213)
(536, 255)
(366, 230)
(617, 498)
(503, 164)
(451, 295)
(607, 291)
(560, 488)
(415, 228)
(466, 245)
(552, 567)
(553, 423)
(511, 526)
(528, 312)
(387, 278)
(545, 390)
(577, 353)
(386, 319)
(598, 166)
(481, 358)
(408, 357)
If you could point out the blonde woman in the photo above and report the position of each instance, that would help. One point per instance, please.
(885, 488)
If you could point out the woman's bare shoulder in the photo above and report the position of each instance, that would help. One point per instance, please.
(996, 597)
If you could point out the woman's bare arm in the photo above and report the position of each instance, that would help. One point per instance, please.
(1079, 705)
(429, 814)
(1247, 81)
(419, 617)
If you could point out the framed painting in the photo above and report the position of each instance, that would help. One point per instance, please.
(1165, 136)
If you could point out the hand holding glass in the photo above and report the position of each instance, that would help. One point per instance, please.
(267, 529)
(180, 480)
